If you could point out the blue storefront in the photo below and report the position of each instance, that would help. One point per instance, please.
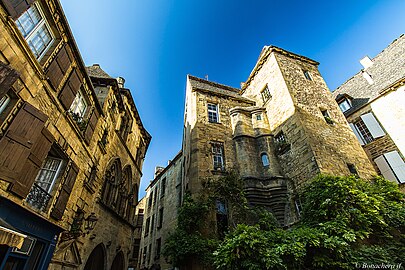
(38, 247)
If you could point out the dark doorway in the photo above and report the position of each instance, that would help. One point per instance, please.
(118, 263)
(96, 259)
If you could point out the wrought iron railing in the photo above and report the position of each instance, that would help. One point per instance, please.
(38, 198)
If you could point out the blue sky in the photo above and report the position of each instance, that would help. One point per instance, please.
(154, 44)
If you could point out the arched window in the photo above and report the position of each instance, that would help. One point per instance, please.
(112, 180)
(125, 192)
(265, 159)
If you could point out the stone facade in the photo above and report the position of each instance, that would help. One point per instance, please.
(74, 142)
(163, 198)
(282, 128)
(372, 103)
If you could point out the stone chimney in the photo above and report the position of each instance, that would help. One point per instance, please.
(121, 82)
(158, 169)
(366, 62)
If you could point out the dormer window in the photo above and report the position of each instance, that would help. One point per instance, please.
(345, 105)
(36, 32)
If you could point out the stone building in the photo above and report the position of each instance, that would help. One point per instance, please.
(373, 103)
(162, 200)
(71, 148)
(134, 259)
(282, 128)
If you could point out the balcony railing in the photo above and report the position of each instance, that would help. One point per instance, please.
(38, 197)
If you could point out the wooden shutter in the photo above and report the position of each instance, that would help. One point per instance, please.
(372, 125)
(17, 7)
(23, 148)
(91, 126)
(69, 91)
(7, 78)
(59, 66)
(61, 202)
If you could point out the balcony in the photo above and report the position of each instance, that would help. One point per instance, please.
(38, 198)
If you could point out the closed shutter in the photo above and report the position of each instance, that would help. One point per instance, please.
(33, 164)
(385, 169)
(17, 7)
(61, 202)
(59, 66)
(357, 134)
(372, 125)
(91, 126)
(7, 78)
(23, 148)
(69, 91)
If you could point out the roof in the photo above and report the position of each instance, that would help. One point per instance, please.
(388, 68)
(95, 71)
(216, 88)
(264, 54)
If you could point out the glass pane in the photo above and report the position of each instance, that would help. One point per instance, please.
(28, 20)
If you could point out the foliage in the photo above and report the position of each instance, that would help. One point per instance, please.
(186, 241)
(345, 220)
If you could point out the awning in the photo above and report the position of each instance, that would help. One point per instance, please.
(10, 237)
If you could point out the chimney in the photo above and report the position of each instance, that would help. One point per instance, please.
(96, 65)
(158, 169)
(121, 82)
(366, 62)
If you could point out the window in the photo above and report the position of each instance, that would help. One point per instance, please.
(152, 224)
(78, 107)
(352, 169)
(135, 251)
(345, 105)
(158, 247)
(280, 138)
(150, 201)
(48, 173)
(391, 166)
(266, 93)
(163, 187)
(298, 206)
(218, 156)
(281, 144)
(147, 226)
(51, 169)
(222, 218)
(367, 129)
(326, 116)
(160, 223)
(213, 113)
(155, 195)
(265, 160)
(35, 31)
(259, 116)
(4, 101)
(307, 75)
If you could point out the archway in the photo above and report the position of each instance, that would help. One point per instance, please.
(118, 263)
(96, 259)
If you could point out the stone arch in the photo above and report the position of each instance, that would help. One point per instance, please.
(112, 181)
(97, 258)
(118, 262)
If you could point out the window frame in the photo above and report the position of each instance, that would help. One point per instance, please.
(307, 75)
(4, 101)
(56, 173)
(215, 146)
(214, 117)
(79, 97)
(41, 24)
(267, 163)
(265, 93)
(347, 107)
